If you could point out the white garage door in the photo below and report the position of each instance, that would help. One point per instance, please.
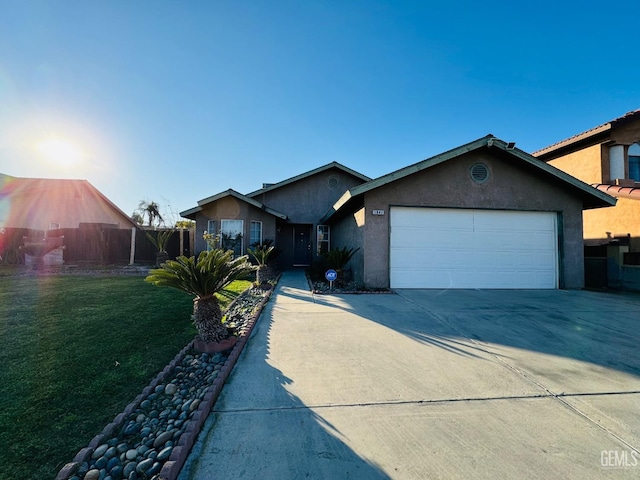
(457, 248)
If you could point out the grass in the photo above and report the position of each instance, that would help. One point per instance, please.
(75, 350)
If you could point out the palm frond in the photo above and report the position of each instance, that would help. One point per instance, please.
(210, 273)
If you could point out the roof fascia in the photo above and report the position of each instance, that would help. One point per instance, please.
(239, 196)
(315, 171)
(593, 136)
(343, 200)
(606, 199)
(189, 213)
(403, 172)
(487, 141)
(111, 204)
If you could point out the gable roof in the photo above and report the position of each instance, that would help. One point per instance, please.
(24, 187)
(231, 193)
(593, 197)
(308, 174)
(591, 136)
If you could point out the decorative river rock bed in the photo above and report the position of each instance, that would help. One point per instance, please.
(152, 437)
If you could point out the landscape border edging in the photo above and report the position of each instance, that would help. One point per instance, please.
(171, 469)
(174, 464)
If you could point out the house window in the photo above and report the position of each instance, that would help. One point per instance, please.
(231, 235)
(322, 239)
(211, 230)
(634, 162)
(616, 162)
(255, 235)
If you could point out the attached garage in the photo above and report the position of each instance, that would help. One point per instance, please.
(484, 215)
(470, 248)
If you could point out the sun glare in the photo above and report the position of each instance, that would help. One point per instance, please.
(60, 152)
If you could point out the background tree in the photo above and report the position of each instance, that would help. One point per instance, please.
(151, 210)
(186, 224)
(137, 217)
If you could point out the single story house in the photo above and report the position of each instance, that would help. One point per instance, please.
(483, 215)
(287, 212)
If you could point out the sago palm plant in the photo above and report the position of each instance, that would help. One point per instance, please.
(261, 254)
(203, 278)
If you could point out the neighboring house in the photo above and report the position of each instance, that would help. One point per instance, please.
(34, 212)
(607, 157)
(483, 215)
(48, 204)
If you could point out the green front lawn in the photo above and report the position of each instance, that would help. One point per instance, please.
(74, 351)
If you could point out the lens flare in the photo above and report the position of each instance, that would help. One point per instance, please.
(60, 152)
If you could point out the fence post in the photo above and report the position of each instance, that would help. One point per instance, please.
(132, 255)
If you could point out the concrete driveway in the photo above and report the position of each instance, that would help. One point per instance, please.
(431, 384)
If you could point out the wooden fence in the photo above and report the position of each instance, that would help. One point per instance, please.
(94, 244)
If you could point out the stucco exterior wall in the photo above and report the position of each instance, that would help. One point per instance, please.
(511, 186)
(349, 233)
(231, 208)
(619, 221)
(584, 164)
(307, 200)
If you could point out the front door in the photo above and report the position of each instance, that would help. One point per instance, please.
(301, 245)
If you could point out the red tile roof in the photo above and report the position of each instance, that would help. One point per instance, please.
(618, 191)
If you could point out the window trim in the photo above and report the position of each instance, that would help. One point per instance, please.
(241, 232)
(251, 224)
(636, 162)
(633, 152)
(211, 230)
(320, 240)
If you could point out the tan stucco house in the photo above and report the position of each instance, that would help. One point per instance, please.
(47, 204)
(608, 158)
(37, 211)
(483, 215)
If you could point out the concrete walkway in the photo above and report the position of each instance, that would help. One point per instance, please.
(431, 384)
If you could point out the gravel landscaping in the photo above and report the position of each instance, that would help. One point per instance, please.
(157, 430)
(350, 287)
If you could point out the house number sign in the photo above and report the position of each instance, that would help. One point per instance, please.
(378, 212)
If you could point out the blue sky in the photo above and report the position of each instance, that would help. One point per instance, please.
(174, 101)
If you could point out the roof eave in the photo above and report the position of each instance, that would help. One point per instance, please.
(593, 136)
(190, 214)
(343, 200)
(231, 193)
(593, 198)
(302, 176)
(604, 200)
(403, 172)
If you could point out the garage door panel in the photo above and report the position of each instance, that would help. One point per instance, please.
(457, 248)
